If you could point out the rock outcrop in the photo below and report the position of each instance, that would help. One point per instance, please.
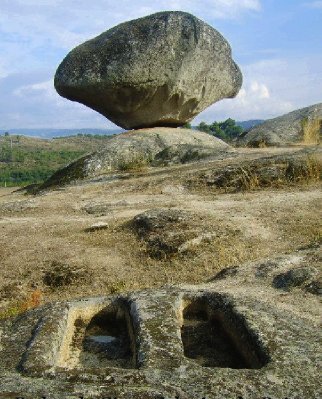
(160, 70)
(301, 126)
(235, 337)
(275, 171)
(141, 148)
(169, 232)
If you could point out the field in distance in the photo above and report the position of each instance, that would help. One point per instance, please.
(25, 160)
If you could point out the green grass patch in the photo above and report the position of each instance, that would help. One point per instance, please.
(25, 160)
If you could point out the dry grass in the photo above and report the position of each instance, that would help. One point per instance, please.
(310, 170)
(45, 246)
(61, 274)
(274, 172)
(311, 131)
(137, 163)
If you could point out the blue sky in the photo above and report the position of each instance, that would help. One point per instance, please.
(277, 44)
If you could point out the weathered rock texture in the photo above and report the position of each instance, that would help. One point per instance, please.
(275, 171)
(141, 148)
(168, 232)
(161, 70)
(236, 336)
(301, 126)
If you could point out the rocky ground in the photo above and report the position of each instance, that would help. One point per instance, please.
(216, 214)
(172, 225)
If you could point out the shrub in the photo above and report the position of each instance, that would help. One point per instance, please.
(308, 170)
(116, 287)
(136, 163)
(226, 130)
(274, 171)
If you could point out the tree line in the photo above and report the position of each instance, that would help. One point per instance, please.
(227, 130)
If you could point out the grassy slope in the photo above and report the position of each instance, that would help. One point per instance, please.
(25, 160)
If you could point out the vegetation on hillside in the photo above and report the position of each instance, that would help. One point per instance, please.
(227, 130)
(26, 160)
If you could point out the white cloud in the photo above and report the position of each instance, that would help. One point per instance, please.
(271, 88)
(37, 105)
(3, 69)
(67, 23)
(259, 89)
(44, 87)
(40, 32)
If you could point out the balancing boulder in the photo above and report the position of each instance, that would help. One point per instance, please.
(160, 70)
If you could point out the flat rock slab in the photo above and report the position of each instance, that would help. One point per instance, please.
(160, 70)
(168, 232)
(97, 227)
(277, 170)
(236, 336)
(139, 149)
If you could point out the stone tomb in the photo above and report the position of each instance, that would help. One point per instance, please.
(119, 332)
(216, 340)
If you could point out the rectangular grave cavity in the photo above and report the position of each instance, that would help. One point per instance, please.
(99, 338)
(213, 335)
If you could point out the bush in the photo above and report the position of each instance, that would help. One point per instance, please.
(137, 164)
(226, 130)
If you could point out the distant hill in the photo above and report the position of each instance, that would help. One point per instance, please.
(246, 125)
(51, 133)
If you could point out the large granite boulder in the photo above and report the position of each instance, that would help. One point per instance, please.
(160, 70)
(303, 126)
(138, 149)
